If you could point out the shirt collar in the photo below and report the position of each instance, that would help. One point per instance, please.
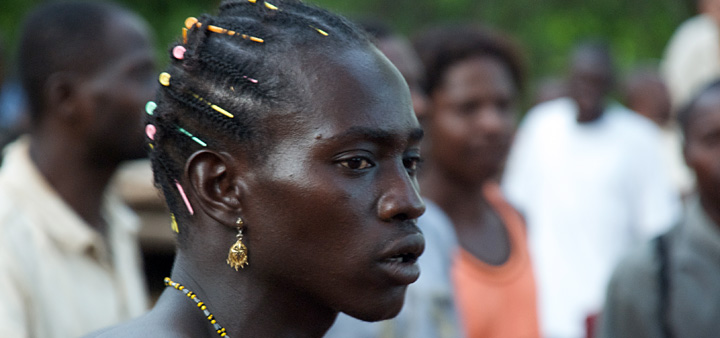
(49, 211)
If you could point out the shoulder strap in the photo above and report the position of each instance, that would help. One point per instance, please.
(663, 253)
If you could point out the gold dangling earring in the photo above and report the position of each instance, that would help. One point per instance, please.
(237, 257)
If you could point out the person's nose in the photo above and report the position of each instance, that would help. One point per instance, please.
(400, 199)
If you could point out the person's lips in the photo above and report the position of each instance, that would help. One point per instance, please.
(399, 261)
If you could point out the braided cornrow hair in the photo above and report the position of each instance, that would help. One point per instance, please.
(243, 63)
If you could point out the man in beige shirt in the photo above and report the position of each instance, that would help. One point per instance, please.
(69, 259)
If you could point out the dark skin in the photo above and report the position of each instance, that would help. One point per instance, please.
(334, 200)
(399, 51)
(647, 95)
(590, 82)
(702, 151)
(93, 121)
(471, 126)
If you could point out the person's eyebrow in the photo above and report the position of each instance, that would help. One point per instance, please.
(376, 135)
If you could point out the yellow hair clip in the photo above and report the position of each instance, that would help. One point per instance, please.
(270, 6)
(173, 224)
(164, 79)
(324, 33)
(213, 106)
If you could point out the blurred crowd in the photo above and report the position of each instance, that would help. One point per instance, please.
(595, 213)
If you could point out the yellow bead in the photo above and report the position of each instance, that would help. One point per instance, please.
(213, 321)
(203, 308)
(164, 79)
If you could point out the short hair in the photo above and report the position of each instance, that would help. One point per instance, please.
(442, 47)
(687, 113)
(597, 49)
(63, 36)
(252, 74)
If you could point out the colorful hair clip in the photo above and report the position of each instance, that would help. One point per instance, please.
(250, 79)
(173, 223)
(197, 140)
(164, 79)
(192, 21)
(152, 147)
(214, 106)
(178, 52)
(252, 1)
(150, 131)
(220, 30)
(150, 107)
(184, 197)
(324, 33)
(184, 35)
(270, 6)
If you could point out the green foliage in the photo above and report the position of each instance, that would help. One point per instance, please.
(637, 29)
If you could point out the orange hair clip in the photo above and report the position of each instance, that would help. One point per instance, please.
(191, 21)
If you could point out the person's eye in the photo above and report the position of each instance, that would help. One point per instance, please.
(357, 163)
(412, 163)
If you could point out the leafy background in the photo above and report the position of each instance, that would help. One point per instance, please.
(637, 29)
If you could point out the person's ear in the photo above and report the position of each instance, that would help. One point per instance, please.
(216, 185)
(63, 93)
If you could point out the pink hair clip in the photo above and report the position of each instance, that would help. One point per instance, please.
(184, 197)
(179, 52)
(150, 131)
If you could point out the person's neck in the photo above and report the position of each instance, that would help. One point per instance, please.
(460, 200)
(589, 117)
(76, 179)
(246, 306)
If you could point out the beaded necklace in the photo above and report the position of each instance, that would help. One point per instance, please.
(218, 328)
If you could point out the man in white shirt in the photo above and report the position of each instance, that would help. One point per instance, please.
(692, 56)
(589, 178)
(69, 258)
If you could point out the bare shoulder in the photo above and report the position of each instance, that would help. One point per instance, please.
(150, 324)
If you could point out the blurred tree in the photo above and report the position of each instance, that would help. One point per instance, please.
(637, 29)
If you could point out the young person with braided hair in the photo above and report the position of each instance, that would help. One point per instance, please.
(286, 147)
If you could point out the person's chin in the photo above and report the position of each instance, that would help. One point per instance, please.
(386, 309)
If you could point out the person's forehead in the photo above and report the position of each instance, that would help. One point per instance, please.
(706, 113)
(358, 87)
(125, 40)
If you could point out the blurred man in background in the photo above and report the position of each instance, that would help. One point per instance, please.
(692, 56)
(645, 92)
(589, 178)
(669, 287)
(69, 259)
